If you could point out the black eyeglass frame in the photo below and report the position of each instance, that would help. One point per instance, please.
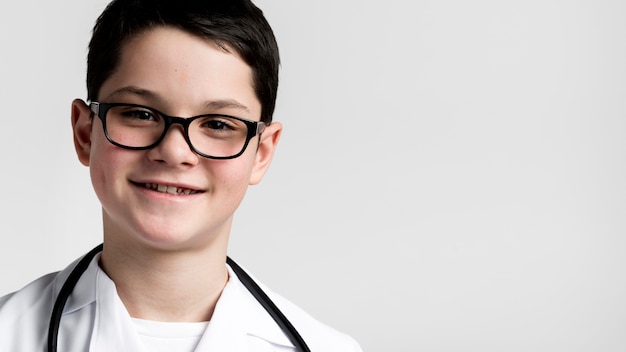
(101, 109)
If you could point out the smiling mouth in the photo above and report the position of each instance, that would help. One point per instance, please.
(168, 189)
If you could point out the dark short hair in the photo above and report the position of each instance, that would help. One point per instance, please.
(236, 24)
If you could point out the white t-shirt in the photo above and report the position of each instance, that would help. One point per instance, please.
(160, 336)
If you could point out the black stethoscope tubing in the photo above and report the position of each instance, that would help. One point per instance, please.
(280, 319)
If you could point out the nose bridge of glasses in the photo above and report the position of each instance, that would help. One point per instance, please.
(172, 120)
(183, 128)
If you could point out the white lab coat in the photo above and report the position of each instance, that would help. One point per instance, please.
(95, 319)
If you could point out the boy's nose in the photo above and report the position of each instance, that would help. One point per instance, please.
(174, 149)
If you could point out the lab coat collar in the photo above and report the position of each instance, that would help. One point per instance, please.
(113, 328)
(84, 292)
(237, 317)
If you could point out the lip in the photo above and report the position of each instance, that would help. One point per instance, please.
(169, 188)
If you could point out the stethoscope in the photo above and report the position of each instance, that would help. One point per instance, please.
(248, 282)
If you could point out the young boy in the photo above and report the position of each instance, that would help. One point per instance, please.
(178, 123)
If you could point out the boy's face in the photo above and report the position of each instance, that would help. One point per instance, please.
(181, 75)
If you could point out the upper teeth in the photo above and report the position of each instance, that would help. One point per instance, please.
(168, 189)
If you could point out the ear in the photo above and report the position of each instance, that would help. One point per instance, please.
(265, 151)
(81, 126)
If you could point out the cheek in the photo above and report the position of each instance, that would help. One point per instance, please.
(105, 162)
(230, 178)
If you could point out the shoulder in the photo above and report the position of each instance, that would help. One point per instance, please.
(318, 335)
(38, 291)
(25, 313)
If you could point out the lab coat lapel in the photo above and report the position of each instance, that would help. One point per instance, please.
(238, 319)
(226, 330)
(75, 329)
(113, 327)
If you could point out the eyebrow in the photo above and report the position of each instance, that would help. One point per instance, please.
(132, 90)
(155, 97)
(225, 103)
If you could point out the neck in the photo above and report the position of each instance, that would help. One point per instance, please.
(167, 285)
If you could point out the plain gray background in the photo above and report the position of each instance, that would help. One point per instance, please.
(450, 177)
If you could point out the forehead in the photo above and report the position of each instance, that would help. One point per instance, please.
(180, 69)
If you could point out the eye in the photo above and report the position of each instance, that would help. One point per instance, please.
(218, 123)
(140, 114)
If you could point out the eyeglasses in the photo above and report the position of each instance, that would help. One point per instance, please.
(139, 127)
